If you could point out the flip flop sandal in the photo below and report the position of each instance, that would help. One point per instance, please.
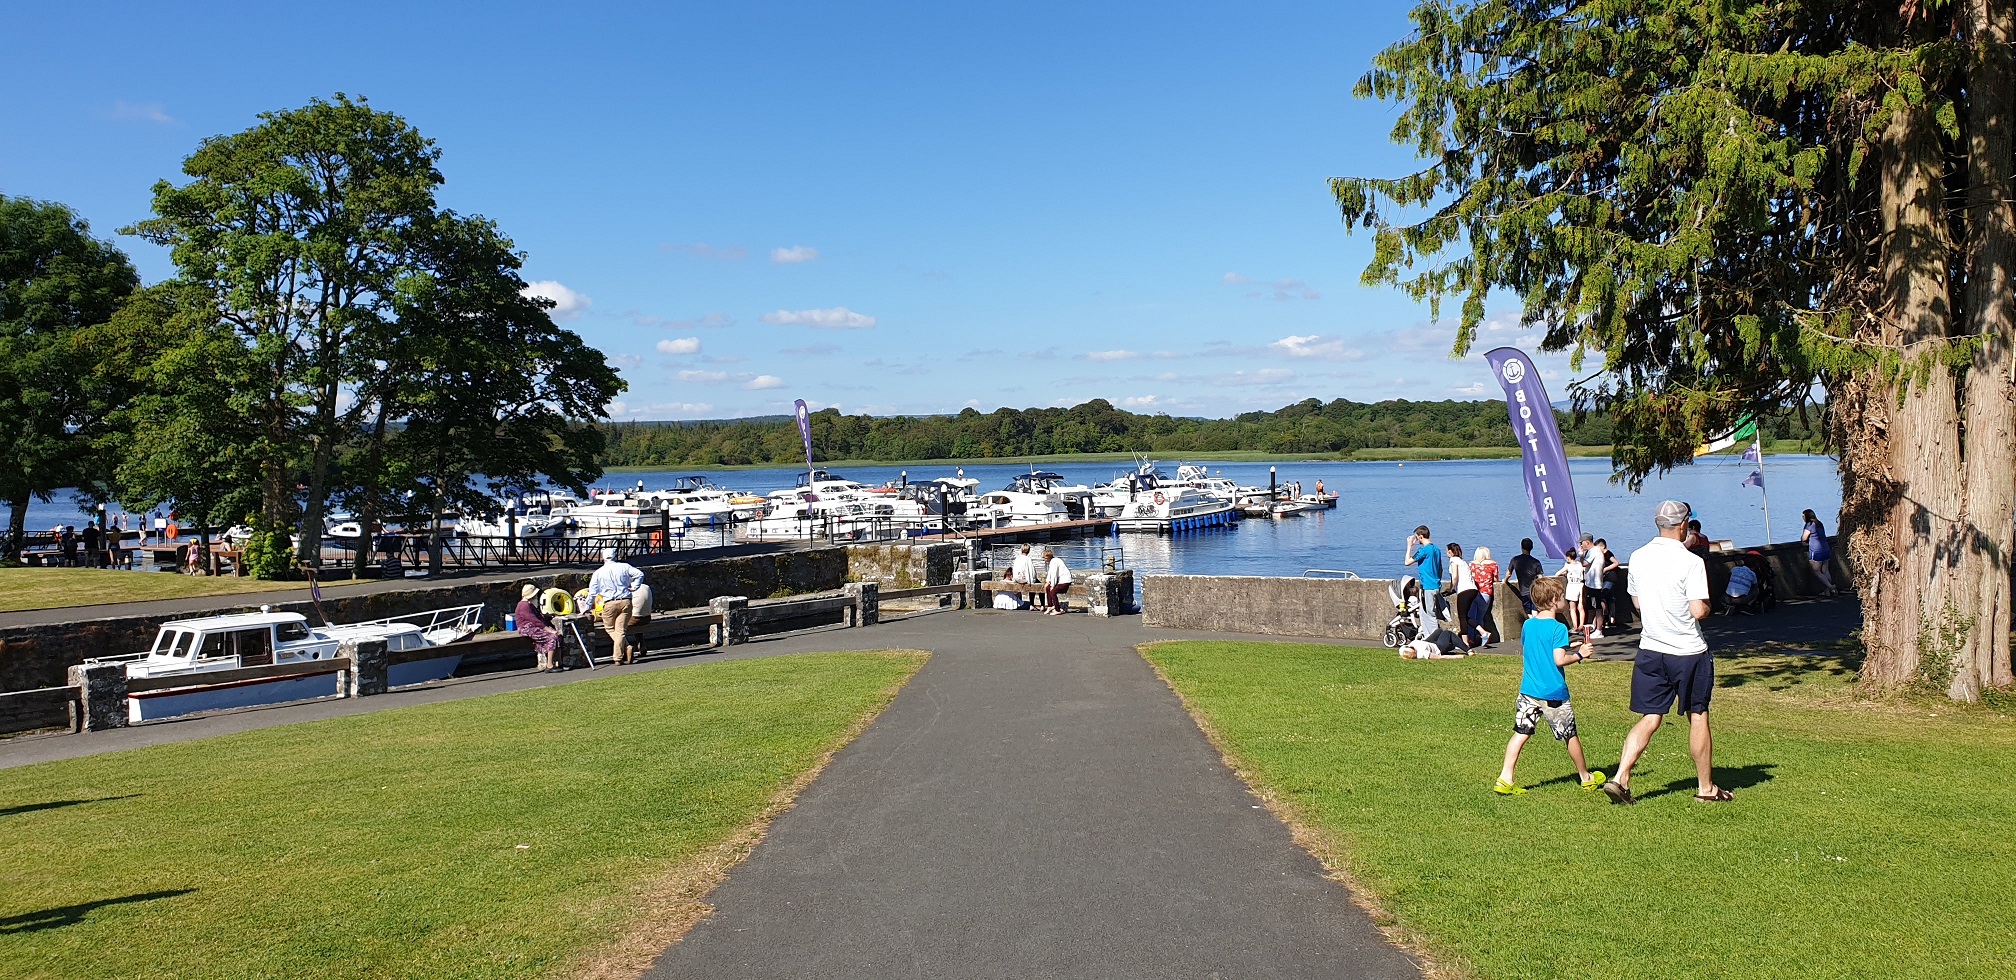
(1619, 793)
(1719, 796)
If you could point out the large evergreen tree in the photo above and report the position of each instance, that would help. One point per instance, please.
(1726, 205)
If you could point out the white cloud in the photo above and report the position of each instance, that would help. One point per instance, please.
(793, 255)
(1112, 355)
(1282, 288)
(626, 360)
(1318, 347)
(567, 304)
(1474, 388)
(762, 381)
(703, 377)
(1235, 279)
(813, 350)
(837, 318)
(1141, 401)
(682, 345)
(706, 320)
(1264, 376)
(152, 112)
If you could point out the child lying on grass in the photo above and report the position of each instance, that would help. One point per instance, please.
(1543, 688)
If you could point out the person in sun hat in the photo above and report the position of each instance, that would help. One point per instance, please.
(1669, 585)
(611, 589)
(537, 628)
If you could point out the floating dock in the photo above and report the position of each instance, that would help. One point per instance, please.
(1027, 532)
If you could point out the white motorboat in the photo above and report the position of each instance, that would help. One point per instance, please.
(510, 524)
(1027, 500)
(1175, 509)
(825, 503)
(190, 648)
(618, 510)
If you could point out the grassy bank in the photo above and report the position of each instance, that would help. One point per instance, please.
(516, 835)
(56, 588)
(1865, 840)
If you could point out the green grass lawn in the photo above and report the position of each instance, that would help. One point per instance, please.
(58, 588)
(514, 835)
(1865, 839)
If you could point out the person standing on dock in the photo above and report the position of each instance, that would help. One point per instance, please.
(1669, 584)
(611, 589)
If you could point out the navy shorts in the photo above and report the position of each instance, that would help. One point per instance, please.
(1660, 678)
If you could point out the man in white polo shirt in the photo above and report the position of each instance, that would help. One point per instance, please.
(1669, 585)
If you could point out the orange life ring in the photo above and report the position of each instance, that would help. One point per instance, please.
(1158, 497)
(173, 531)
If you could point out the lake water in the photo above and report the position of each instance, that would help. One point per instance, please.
(1471, 502)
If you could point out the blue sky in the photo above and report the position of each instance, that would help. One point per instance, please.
(893, 208)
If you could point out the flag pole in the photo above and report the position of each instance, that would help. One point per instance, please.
(1762, 486)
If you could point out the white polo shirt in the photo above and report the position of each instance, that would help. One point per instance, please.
(1665, 576)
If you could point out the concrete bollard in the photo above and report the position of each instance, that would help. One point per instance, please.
(734, 626)
(370, 669)
(867, 602)
(976, 595)
(101, 689)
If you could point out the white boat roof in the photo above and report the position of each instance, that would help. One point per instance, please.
(236, 622)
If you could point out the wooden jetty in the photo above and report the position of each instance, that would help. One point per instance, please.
(1054, 531)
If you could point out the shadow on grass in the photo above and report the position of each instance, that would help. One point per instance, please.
(1782, 670)
(1739, 777)
(70, 915)
(8, 811)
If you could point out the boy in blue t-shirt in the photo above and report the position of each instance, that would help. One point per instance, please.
(1543, 688)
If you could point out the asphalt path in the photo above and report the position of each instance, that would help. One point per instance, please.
(1036, 803)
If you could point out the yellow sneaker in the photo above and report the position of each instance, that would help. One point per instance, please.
(1503, 788)
(1594, 782)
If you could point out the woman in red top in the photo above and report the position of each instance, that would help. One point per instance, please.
(1484, 572)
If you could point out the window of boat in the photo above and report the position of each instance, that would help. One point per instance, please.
(174, 643)
(293, 632)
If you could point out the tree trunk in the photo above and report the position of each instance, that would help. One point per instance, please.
(17, 527)
(366, 541)
(1982, 659)
(1900, 462)
(315, 512)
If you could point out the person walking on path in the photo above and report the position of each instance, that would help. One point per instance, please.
(1056, 582)
(1526, 570)
(1484, 572)
(1430, 566)
(1543, 688)
(610, 589)
(538, 629)
(1819, 551)
(1669, 584)
(1466, 590)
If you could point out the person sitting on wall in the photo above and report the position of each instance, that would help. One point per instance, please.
(532, 622)
(1056, 582)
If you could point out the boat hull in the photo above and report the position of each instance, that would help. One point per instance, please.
(174, 702)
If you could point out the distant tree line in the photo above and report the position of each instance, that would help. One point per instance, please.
(1309, 426)
(332, 338)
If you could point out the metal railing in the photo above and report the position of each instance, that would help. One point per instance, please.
(1338, 572)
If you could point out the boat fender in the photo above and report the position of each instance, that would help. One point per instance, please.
(556, 602)
(640, 601)
(1158, 497)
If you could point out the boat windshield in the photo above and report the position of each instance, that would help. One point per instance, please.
(293, 632)
(174, 643)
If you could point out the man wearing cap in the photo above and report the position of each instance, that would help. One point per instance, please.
(1669, 585)
(611, 588)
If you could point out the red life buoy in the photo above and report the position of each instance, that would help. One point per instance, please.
(1158, 497)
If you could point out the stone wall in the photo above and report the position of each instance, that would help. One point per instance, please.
(1347, 608)
(903, 565)
(40, 656)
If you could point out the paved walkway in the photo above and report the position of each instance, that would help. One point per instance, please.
(1036, 803)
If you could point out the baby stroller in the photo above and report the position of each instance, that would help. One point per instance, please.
(1405, 592)
(1761, 599)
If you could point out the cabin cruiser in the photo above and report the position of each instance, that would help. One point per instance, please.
(1175, 508)
(1028, 499)
(618, 510)
(188, 649)
(1199, 477)
(511, 523)
(822, 501)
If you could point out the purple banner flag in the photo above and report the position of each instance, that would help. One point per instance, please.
(1755, 479)
(1548, 486)
(805, 429)
(1753, 454)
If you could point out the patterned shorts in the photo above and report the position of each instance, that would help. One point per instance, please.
(1560, 717)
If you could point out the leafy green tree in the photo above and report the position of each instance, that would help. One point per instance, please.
(301, 228)
(190, 436)
(58, 287)
(1729, 204)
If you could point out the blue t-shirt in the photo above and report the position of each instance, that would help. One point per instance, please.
(1542, 677)
(1428, 563)
(1741, 581)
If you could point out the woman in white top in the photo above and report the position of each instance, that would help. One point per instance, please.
(1466, 587)
(1572, 570)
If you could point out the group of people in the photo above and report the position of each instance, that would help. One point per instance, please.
(1055, 578)
(1669, 586)
(617, 597)
(1442, 577)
